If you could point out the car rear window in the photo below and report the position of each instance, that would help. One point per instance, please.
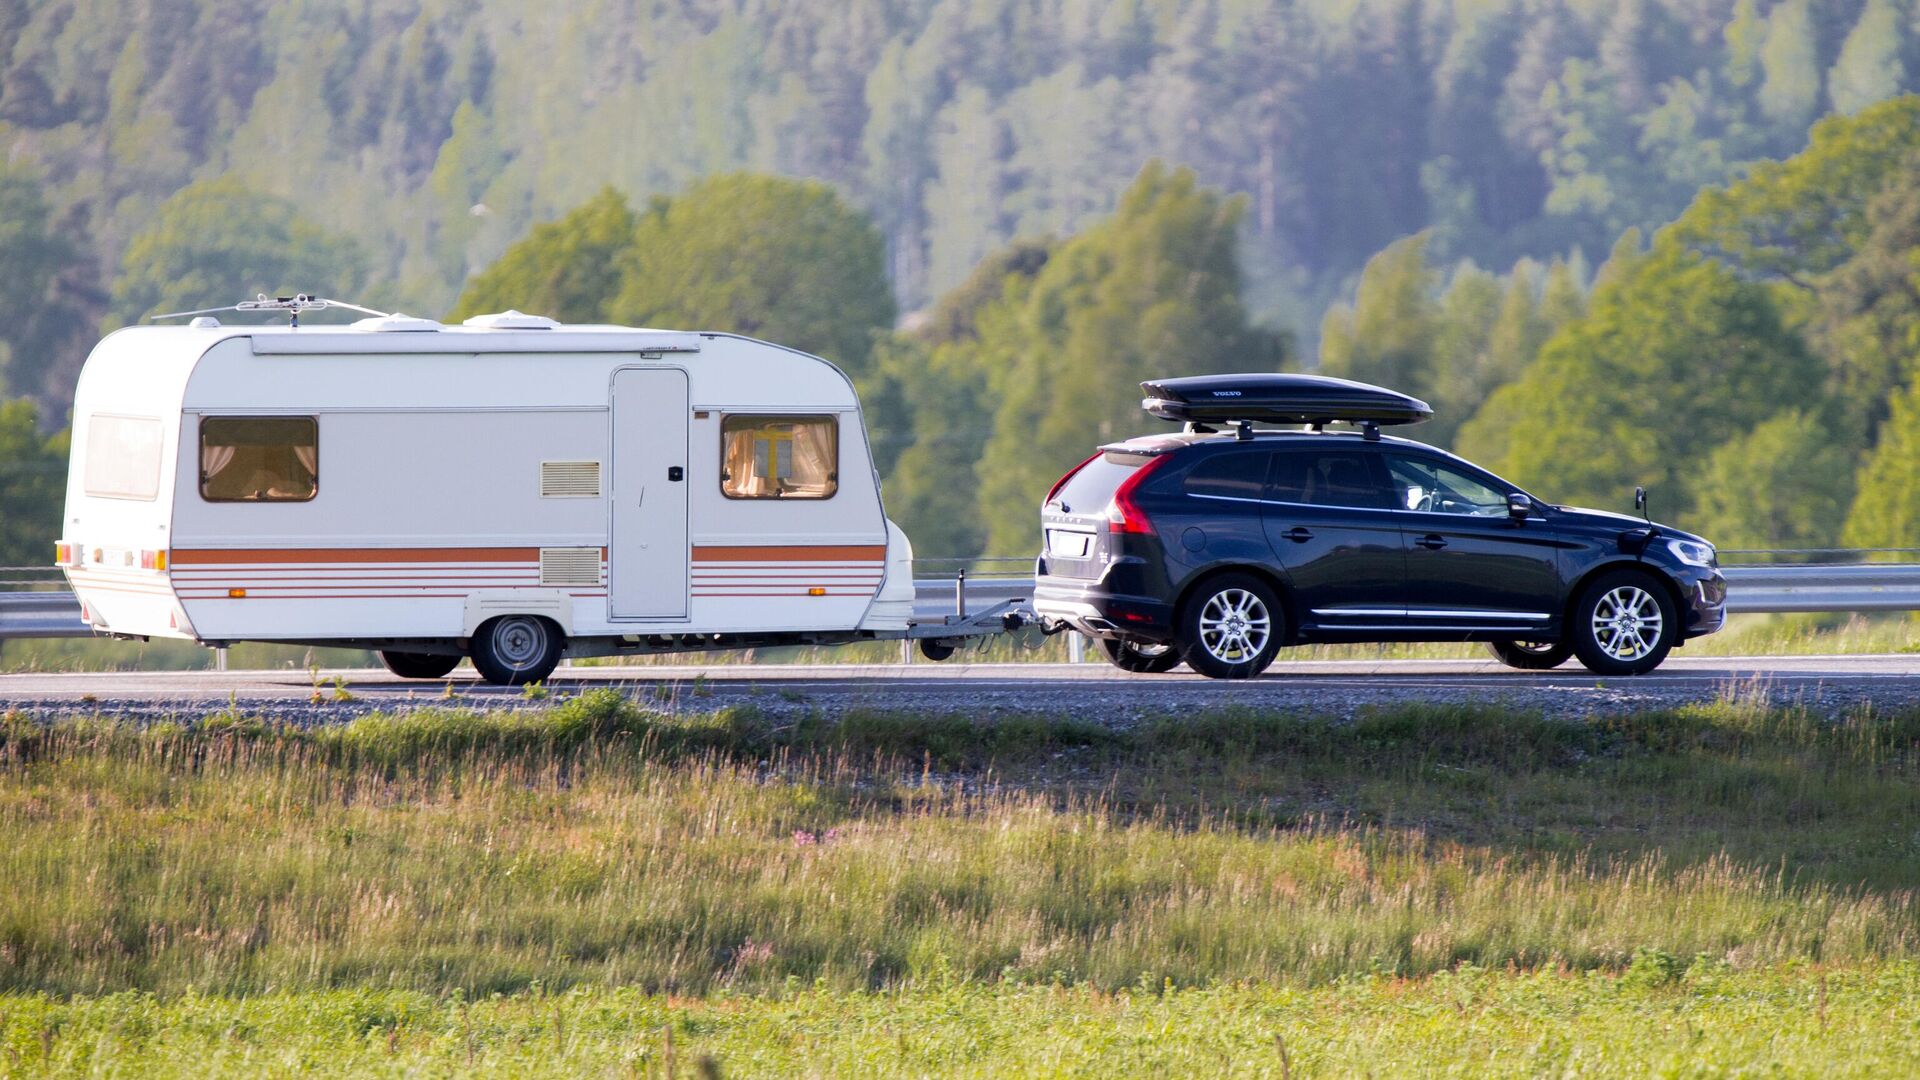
(1230, 476)
(1091, 487)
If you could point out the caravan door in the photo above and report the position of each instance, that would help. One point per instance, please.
(647, 555)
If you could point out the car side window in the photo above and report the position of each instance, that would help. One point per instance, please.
(1431, 487)
(1230, 476)
(1327, 478)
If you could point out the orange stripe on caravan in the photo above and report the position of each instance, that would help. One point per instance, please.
(191, 556)
(811, 553)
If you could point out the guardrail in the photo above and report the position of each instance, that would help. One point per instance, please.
(1750, 589)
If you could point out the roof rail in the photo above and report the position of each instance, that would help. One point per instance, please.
(292, 305)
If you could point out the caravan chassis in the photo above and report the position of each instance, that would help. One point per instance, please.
(952, 632)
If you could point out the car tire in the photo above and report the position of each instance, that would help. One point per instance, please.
(513, 650)
(1231, 627)
(1624, 623)
(1136, 657)
(1531, 655)
(418, 665)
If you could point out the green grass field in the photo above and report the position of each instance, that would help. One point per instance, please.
(589, 886)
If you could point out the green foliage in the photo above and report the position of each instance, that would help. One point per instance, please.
(1595, 415)
(1869, 69)
(1799, 218)
(217, 242)
(1886, 512)
(1151, 292)
(1387, 335)
(566, 269)
(1785, 484)
(33, 486)
(784, 260)
(36, 254)
(436, 135)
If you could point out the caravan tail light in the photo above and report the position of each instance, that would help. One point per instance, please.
(1062, 482)
(1123, 514)
(153, 560)
(65, 554)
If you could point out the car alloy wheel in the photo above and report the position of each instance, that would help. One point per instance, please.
(1623, 624)
(1627, 623)
(1231, 627)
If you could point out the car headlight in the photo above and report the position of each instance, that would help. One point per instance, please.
(1691, 552)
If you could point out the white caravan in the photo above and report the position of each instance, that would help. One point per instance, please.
(511, 489)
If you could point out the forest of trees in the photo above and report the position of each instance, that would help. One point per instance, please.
(999, 215)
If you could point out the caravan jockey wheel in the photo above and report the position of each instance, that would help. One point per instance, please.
(513, 650)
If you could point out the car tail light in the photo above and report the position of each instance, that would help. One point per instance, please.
(1062, 482)
(1123, 514)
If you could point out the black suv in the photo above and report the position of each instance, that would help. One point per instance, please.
(1219, 547)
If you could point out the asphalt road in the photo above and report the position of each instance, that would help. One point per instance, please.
(1093, 691)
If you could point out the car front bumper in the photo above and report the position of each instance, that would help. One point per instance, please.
(1703, 600)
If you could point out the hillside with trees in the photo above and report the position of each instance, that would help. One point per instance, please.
(1000, 214)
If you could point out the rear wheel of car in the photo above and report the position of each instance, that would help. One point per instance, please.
(513, 650)
(417, 665)
(1623, 624)
(1531, 655)
(1231, 627)
(1134, 656)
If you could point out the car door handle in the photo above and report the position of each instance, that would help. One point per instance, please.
(1298, 535)
(1432, 542)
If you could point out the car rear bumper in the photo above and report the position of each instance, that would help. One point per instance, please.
(1095, 610)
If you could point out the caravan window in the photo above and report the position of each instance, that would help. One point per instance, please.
(259, 458)
(780, 457)
(123, 457)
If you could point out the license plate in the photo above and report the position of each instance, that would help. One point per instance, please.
(1068, 545)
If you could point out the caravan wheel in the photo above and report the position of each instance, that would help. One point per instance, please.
(516, 649)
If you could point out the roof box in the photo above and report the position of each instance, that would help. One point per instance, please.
(1270, 398)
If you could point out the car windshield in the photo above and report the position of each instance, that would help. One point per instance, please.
(1432, 487)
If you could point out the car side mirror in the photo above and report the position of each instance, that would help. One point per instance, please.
(1519, 506)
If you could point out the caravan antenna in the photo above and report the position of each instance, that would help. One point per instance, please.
(292, 305)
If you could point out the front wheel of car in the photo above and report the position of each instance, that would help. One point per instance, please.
(1231, 627)
(1624, 623)
(1134, 656)
(1531, 655)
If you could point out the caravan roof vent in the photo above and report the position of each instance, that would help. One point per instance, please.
(397, 324)
(511, 320)
(1271, 398)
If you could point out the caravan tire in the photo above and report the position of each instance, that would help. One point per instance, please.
(513, 650)
(416, 665)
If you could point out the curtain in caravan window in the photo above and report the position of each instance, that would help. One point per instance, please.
(780, 457)
(259, 458)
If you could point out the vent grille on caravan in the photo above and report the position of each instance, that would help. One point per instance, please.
(570, 566)
(569, 479)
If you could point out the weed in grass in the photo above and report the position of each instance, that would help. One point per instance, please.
(340, 691)
(535, 691)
